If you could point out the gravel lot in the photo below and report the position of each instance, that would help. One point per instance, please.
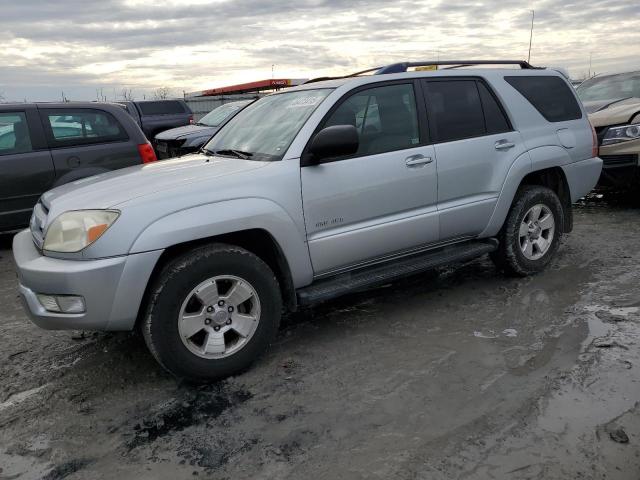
(459, 373)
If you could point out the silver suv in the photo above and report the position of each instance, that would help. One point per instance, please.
(306, 195)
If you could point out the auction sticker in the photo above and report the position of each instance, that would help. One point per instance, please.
(305, 102)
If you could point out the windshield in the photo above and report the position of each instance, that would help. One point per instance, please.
(265, 129)
(218, 115)
(610, 87)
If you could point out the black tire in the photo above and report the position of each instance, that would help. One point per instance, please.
(509, 256)
(172, 286)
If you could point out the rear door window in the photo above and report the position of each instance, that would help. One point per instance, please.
(550, 95)
(386, 118)
(455, 110)
(82, 127)
(166, 107)
(14, 133)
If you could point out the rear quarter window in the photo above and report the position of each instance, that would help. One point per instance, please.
(550, 95)
(14, 133)
(167, 107)
(82, 127)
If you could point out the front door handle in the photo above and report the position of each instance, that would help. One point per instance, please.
(417, 160)
(504, 145)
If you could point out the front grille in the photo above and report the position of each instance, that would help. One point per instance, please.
(169, 148)
(38, 224)
(619, 160)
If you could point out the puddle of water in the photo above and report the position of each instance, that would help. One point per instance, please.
(578, 408)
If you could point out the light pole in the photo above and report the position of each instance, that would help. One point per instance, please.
(533, 15)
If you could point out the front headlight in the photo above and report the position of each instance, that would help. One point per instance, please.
(72, 231)
(623, 133)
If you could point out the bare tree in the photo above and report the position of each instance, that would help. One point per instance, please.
(127, 95)
(162, 93)
(2, 97)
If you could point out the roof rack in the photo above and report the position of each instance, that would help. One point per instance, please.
(451, 64)
(402, 67)
(322, 79)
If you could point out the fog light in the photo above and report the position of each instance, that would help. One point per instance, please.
(62, 303)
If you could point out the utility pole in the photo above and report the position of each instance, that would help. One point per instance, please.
(272, 65)
(533, 15)
(590, 55)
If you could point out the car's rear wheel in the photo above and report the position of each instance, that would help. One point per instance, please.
(531, 233)
(212, 312)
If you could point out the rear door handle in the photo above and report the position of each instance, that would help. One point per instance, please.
(417, 160)
(504, 145)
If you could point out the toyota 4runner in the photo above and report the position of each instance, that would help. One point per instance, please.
(308, 194)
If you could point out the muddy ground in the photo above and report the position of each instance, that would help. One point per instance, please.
(459, 373)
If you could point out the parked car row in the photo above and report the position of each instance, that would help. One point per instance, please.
(305, 195)
(155, 116)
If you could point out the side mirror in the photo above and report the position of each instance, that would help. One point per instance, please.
(334, 141)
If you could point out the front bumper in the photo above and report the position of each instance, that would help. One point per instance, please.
(173, 148)
(621, 163)
(112, 288)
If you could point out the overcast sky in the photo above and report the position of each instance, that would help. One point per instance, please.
(80, 46)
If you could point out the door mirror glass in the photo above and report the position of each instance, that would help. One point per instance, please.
(334, 141)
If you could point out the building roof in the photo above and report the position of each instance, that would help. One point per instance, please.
(258, 86)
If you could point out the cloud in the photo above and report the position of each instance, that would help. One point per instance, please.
(79, 46)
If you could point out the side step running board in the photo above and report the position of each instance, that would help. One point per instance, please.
(375, 275)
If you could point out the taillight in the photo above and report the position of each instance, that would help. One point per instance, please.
(594, 148)
(147, 154)
(191, 120)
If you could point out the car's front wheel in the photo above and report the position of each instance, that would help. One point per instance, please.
(531, 233)
(212, 312)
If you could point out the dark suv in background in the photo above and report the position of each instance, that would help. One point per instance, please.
(45, 145)
(190, 138)
(155, 116)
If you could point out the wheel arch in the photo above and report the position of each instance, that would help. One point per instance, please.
(255, 240)
(555, 179)
(521, 174)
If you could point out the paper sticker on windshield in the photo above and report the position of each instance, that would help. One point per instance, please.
(305, 102)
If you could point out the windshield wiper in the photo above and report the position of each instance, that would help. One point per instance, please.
(234, 153)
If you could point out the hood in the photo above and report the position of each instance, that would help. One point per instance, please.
(612, 112)
(186, 131)
(113, 188)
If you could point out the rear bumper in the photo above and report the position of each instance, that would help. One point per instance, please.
(582, 176)
(112, 288)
